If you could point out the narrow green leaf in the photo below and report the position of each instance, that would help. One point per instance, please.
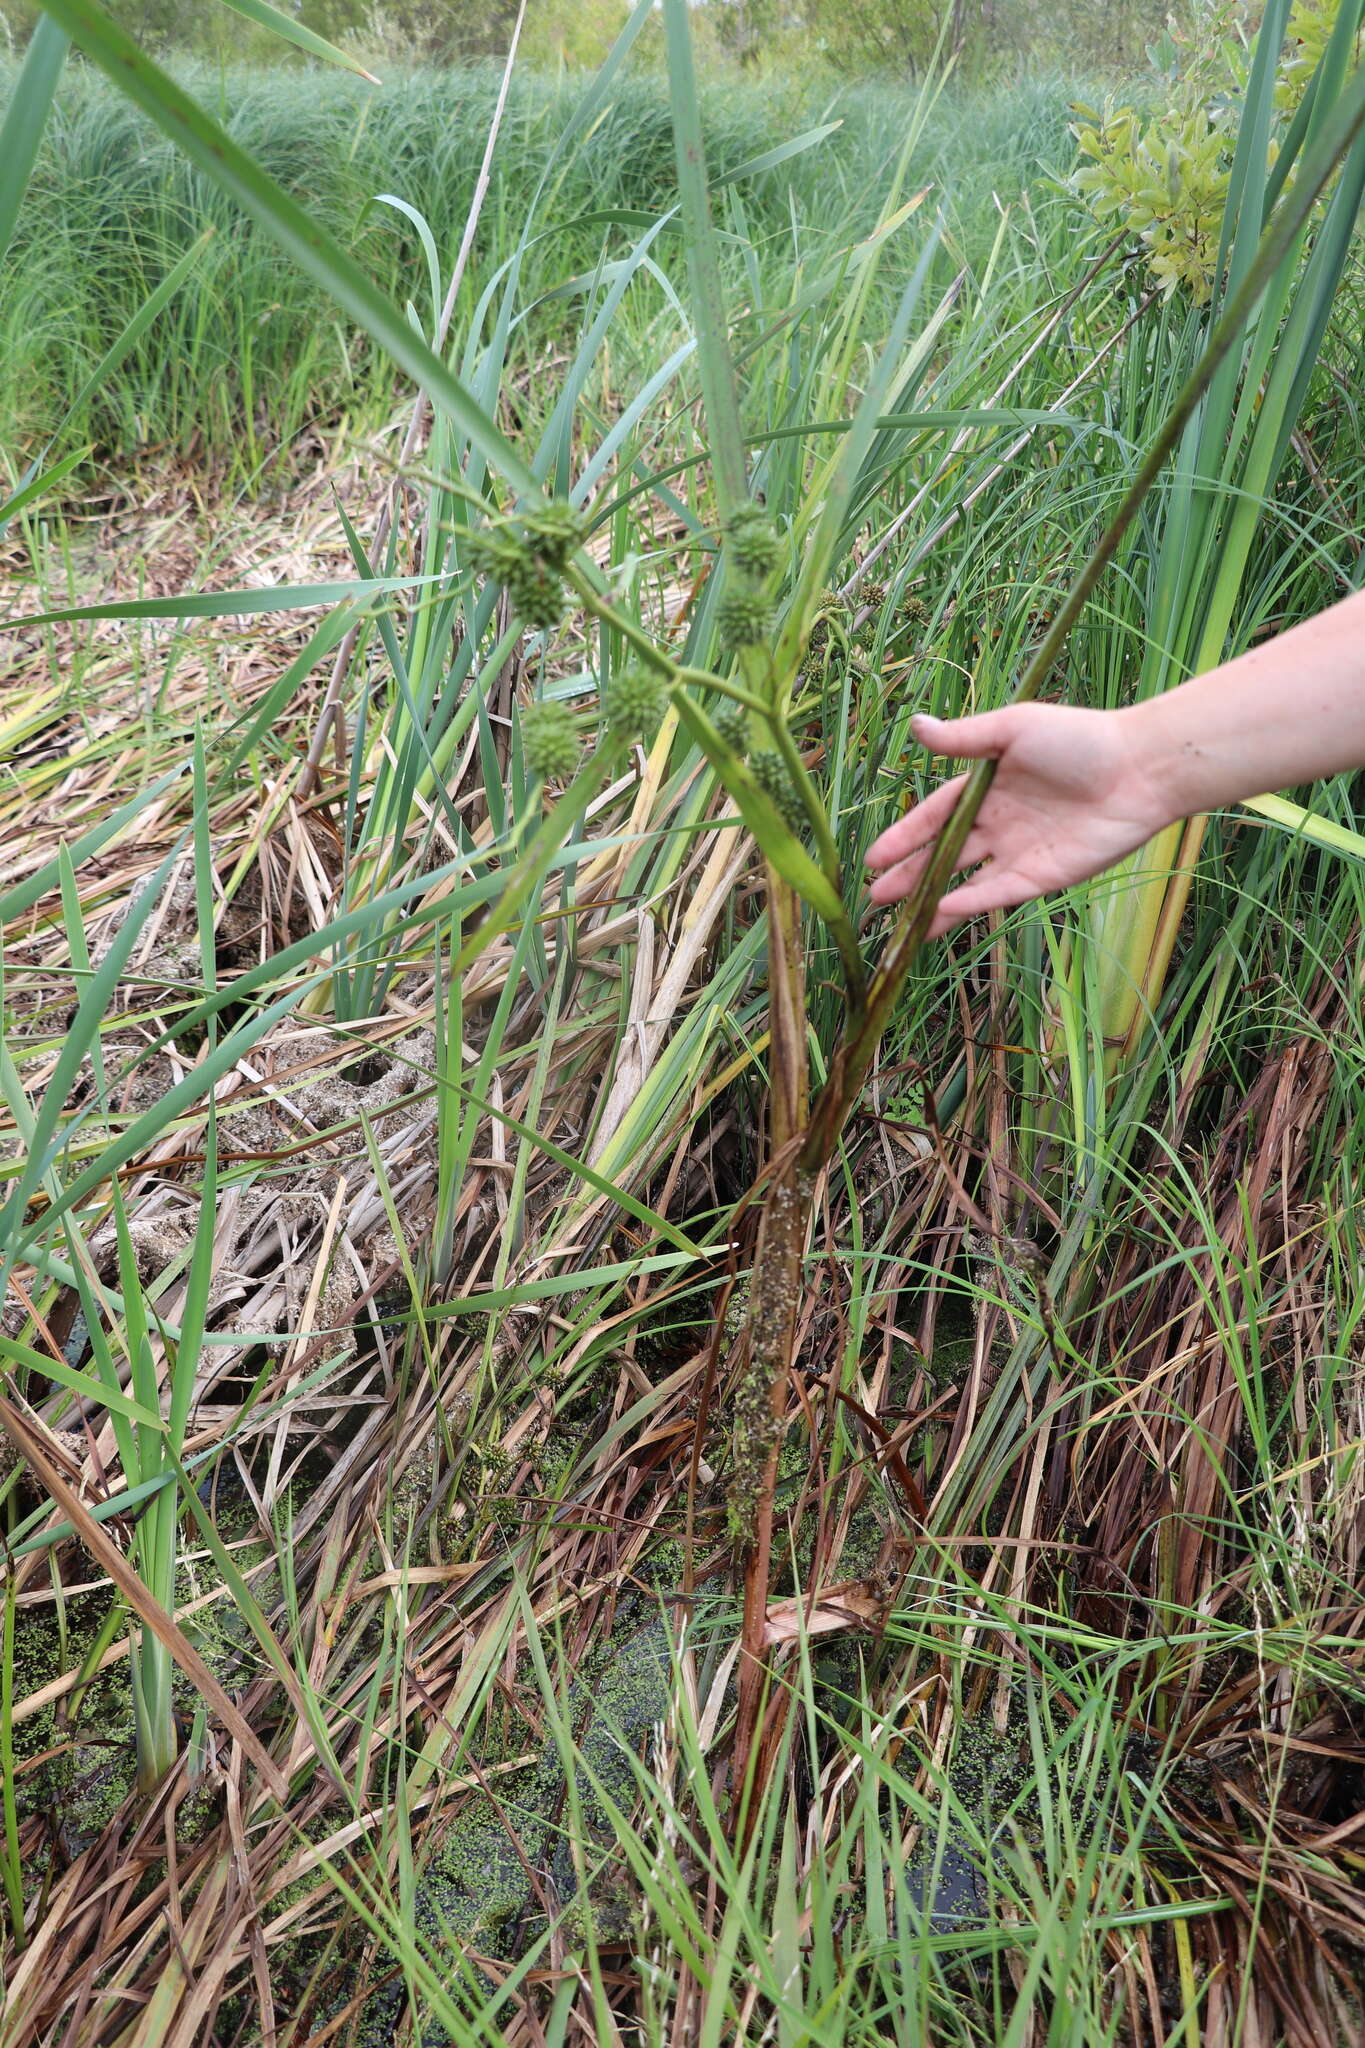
(848, 464)
(220, 604)
(1305, 824)
(708, 306)
(153, 305)
(36, 482)
(769, 159)
(292, 31)
(77, 1382)
(94, 1006)
(25, 894)
(779, 845)
(26, 117)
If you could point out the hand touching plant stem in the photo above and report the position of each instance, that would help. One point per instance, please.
(1074, 791)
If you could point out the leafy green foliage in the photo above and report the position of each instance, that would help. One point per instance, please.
(1166, 177)
(1310, 27)
(1165, 180)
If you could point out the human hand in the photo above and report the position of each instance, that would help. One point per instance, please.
(1073, 792)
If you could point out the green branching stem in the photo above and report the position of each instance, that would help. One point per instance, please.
(816, 812)
(678, 676)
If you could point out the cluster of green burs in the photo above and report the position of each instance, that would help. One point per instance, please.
(744, 615)
(529, 556)
(632, 706)
(745, 618)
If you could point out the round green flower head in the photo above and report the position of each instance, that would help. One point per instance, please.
(493, 553)
(769, 771)
(549, 740)
(535, 592)
(635, 700)
(532, 582)
(732, 723)
(557, 530)
(744, 618)
(752, 539)
(872, 595)
(914, 610)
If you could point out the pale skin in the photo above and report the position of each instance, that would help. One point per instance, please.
(1075, 791)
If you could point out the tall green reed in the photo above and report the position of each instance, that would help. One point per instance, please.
(1199, 540)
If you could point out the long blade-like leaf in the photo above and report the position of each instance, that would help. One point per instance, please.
(713, 350)
(291, 31)
(26, 118)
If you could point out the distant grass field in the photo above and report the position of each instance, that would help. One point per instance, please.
(248, 354)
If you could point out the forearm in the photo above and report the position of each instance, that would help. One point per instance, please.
(1284, 713)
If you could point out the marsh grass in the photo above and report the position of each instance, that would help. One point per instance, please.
(248, 358)
(1063, 1602)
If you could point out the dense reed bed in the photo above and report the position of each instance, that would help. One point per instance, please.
(493, 1551)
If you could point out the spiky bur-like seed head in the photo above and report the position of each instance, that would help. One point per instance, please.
(752, 541)
(732, 724)
(914, 610)
(769, 771)
(535, 592)
(872, 594)
(549, 740)
(635, 701)
(492, 552)
(528, 570)
(556, 531)
(744, 618)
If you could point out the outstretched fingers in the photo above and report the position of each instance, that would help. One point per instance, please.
(922, 823)
(901, 879)
(993, 889)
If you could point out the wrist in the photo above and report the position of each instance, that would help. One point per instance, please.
(1163, 768)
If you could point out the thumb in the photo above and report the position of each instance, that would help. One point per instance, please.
(966, 739)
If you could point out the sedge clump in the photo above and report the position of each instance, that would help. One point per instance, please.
(549, 741)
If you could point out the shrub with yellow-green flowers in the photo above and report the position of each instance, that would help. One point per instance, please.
(1310, 26)
(1165, 178)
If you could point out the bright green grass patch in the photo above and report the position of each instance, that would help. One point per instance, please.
(248, 354)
